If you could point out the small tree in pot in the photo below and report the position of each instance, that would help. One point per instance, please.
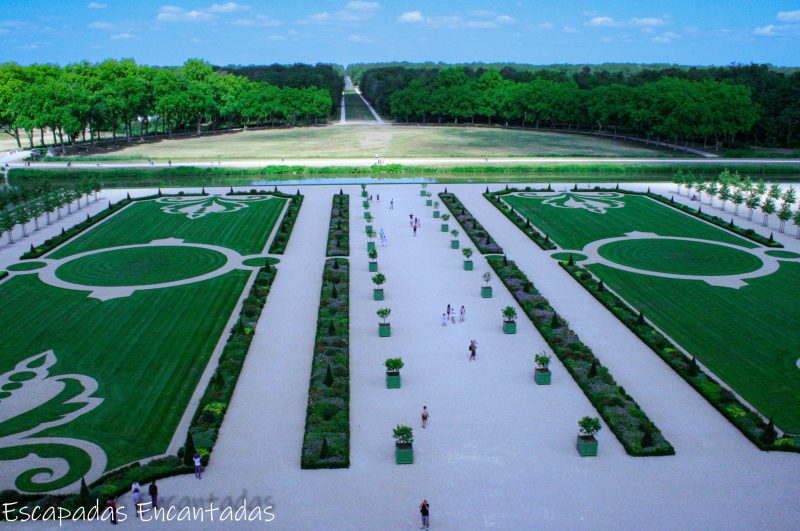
(486, 291)
(454, 241)
(445, 227)
(378, 280)
(363, 190)
(371, 243)
(467, 252)
(367, 215)
(384, 328)
(542, 375)
(403, 445)
(436, 209)
(373, 260)
(422, 192)
(509, 320)
(587, 443)
(393, 366)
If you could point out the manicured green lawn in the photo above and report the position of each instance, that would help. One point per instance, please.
(356, 109)
(747, 337)
(680, 257)
(140, 265)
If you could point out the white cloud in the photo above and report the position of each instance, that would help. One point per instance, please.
(666, 37)
(544, 26)
(276, 38)
(178, 14)
(101, 25)
(606, 40)
(647, 30)
(358, 38)
(765, 30)
(122, 37)
(227, 7)
(354, 11)
(603, 22)
(258, 20)
(97, 5)
(360, 5)
(570, 29)
(504, 19)
(411, 17)
(647, 21)
(789, 16)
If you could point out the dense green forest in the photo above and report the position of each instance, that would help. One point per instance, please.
(749, 104)
(82, 101)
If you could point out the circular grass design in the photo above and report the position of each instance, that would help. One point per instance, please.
(260, 261)
(565, 256)
(140, 266)
(26, 266)
(783, 254)
(680, 257)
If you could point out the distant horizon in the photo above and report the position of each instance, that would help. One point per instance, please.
(257, 32)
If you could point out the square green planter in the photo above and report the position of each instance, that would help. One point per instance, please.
(587, 446)
(429, 202)
(542, 376)
(454, 244)
(393, 381)
(368, 229)
(377, 294)
(404, 455)
(363, 193)
(384, 329)
(445, 227)
(370, 246)
(486, 292)
(373, 267)
(509, 327)
(367, 216)
(422, 193)
(467, 265)
(436, 213)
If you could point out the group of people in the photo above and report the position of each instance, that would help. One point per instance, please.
(136, 494)
(450, 315)
(413, 221)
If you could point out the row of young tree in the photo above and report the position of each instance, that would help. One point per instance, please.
(671, 109)
(743, 192)
(81, 101)
(42, 200)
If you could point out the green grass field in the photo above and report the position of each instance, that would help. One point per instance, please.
(745, 336)
(353, 141)
(146, 351)
(356, 109)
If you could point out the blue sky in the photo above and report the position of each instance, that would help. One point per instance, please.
(166, 32)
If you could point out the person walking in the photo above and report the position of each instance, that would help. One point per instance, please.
(424, 511)
(473, 350)
(415, 231)
(411, 220)
(153, 491)
(391, 204)
(111, 505)
(444, 320)
(379, 197)
(417, 223)
(462, 314)
(137, 502)
(424, 417)
(453, 315)
(198, 466)
(449, 309)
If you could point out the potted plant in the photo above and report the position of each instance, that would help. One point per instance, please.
(370, 243)
(445, 227)
(393, 366)
(542, 375)
(422, 192)
(467, 252)
(378, 280)
(373, 260)
(384, 328)
(587, 443)
(367, 215)
(429, 201)
(486, 291)
(365, 203)
(368, 229)
(403, 445)
(363, 190)
(509, 320)
(454, 241)
(436, 209)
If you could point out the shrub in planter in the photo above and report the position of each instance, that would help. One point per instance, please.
(509, 320)
(467, 252)
(371, 243)
(373, 260)
(403, 445)
(429, 202)
(586, 442)
(542, 374)
(422, 192)
(454, 241)
(384, 328)
(436, 209)
(378, 280)
(393, 366)
(445, 227)
(486, 291)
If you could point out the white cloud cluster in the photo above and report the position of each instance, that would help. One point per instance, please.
(666, 37)
(97, 5)
(262, 21)
(790, 25)
(179, 14)
(481, 19)
(603, 22)
(353, 11)
(609, 22)
(789, 16)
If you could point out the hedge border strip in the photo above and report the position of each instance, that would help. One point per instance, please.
(452, 203)
(341, 217)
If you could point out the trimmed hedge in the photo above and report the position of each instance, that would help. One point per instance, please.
(287, 224)
(326, 442)
(621, 412)
(339, 228)
(479, 236)
(518, 219)
(3, 274)
(745, 419)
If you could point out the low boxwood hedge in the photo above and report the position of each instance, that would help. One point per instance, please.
(479, 235)
(326, 442)
(339, 228)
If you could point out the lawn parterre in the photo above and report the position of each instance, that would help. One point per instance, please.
(129, 364)
(735, 327)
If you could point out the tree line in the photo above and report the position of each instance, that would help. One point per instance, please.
(752, 104)
(82, 101)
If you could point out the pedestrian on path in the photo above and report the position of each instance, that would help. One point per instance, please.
(416, 222)
(473, 350)
(379, 198)
(444, 320)
(415, 231)
(424, 417)
(391, 204)
(137, 502)
(448, 312)
(135, 486)
(462, 314)
(411, 220)
(198, 466)
(111, 505)
(424, 511)
(453, 315)
(153, 490)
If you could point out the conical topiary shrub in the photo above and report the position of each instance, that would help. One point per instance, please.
(189, 450)
(328, 377)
